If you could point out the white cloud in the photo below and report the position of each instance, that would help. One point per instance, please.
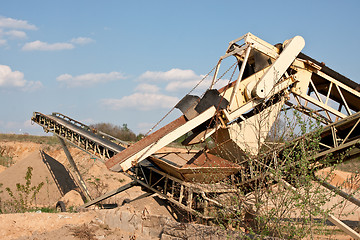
(147, 88)
(15, 79)
(141, 101)
(13, 29)
(20, 127)
(15, 34)
(179, 85)
(32, 85)
(89, 78)
(3, 42)
(179, 79)
(81, 40)
(15, 24)
(9, 78)
(43, 46)
(171, 75)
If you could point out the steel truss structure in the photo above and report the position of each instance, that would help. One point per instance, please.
(268, 78)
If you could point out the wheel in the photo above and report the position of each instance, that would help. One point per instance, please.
(60, 206)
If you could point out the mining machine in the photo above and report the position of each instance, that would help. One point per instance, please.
(237, 119)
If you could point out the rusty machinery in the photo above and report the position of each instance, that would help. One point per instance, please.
(268, 78)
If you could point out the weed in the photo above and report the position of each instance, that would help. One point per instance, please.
(350, 166)
(26, 193)
(99, 187)
(43, 209)
(277, 195)
(51, 140)
(6, 159)
(83, 232)
(71, 209)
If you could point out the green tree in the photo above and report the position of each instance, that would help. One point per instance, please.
(122, 133)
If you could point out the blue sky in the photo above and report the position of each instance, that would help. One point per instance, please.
(131, 61)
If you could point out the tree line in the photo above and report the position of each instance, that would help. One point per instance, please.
(120, 132)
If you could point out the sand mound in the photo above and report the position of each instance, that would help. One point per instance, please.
(18, 150)
(340, 178)
(71, 199)
(2, 168)
(59, 184)
(57, 180)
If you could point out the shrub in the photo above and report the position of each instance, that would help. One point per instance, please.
(122, 133)
(26, 194)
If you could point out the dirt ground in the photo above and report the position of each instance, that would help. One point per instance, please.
(51, 167)
(65, 226)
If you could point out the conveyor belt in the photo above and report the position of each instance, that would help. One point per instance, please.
(348, 82)
(336, 138)
(341, 140)
(91, 141)
(177, 191)
(95, 143)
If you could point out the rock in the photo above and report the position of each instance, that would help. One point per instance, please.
(72, 199)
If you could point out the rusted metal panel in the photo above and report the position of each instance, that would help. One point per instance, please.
(202, 167)
(145, 142)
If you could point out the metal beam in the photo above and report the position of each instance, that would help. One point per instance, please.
(337, 222)
(76, 170)
(140, 154)
(109, 194)
(336, 190)
(343, 226)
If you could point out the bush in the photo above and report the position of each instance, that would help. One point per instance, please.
(6, 160)
(277, 194)
(122, 133)
(26, 194)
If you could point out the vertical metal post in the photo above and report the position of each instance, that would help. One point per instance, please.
(190, 198)
(181, 193)
(241, 73)
(165, 186)
(150, 176)
(215, 74)
(206, 207)
(172, 188)
(76, 170)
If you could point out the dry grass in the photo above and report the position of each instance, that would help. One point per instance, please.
(352, 166)
(50, 140)
(83, 232)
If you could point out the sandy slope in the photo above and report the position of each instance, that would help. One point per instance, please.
(52, 168)
(26, 224)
